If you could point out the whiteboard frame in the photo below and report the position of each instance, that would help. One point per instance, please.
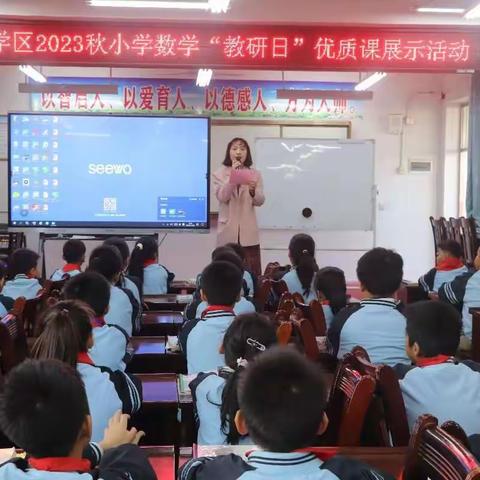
(373, 193)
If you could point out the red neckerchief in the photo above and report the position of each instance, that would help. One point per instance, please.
(217, 308)
(325, 302)
(97, 322)
(147, 263)
(60, 464)
(449, 264)
(427, 362)
(84, 357)
(70, 267)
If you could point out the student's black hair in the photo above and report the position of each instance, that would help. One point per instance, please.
(380, 271)
(435, 326)
(221, 282)
(246, 337)
(282, 396)
(42, 407)
(22, 261)
(452, 247)
(248, 160)
(91, 288)
(225, 254)
(107, 261)
(238, 249)
(74, 251)
(122, 246)
(67, 329)
(3, 270)
(145, 249)
(331, 282)
(302, 252)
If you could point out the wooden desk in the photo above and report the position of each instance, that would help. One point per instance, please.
(150, 356)
(161, 323)
(169, 301)
(388, 460)
(182, 287)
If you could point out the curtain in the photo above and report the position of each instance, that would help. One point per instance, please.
(473, 181)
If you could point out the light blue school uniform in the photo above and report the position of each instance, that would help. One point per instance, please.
(329, 316)
(129, 285)
(434, 279)
(448, 391)
(201, 340)
(247, 276)
(155, 280)
(3, 310)
(207, 390)
(60, 274)
(109, 347)
(241, 307)
(120, 310)
(22, 286)
(294, 286)
(376, 325)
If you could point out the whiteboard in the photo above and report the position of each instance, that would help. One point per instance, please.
(334, 178)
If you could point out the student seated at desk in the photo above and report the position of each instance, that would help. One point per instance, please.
(109, 341)
(439, 385)
(201, 339)
(196, 307)
(215, 393)
(449, 266)
(68, 337)
(331, 288)
(126, 281)
(282, 399)
(23, 272)
(74, 256)
(464, 293)
(6, 303)
(123, 309)
(377, 323)
(301, 278)
(248, 276)
(154, 278)
(44, 411)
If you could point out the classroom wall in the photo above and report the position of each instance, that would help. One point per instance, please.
(405, 200)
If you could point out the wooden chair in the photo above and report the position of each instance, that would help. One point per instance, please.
(439, 231)
(350, 398)
(33, 310)
(306, 335)
(13, 342)
(284, 332)
(456, 431)
(286, 303)
(436, 455)
(470, 239)
(386, 423)
(314, 313)
(279, 287)
(262, 294)
(457, 230)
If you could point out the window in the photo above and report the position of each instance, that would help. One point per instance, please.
(463, 160)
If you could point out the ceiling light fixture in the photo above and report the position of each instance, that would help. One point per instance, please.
(473, 13)
(32, 73)
(204, 77)
(214, 6)
(370, 81)
(440, 10)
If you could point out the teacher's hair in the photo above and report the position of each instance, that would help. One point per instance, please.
(228, 161)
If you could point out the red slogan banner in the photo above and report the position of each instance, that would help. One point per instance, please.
(232, 46)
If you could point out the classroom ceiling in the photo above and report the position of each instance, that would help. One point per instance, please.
(262, 11)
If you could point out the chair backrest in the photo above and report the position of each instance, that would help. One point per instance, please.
(279, 287)
(32, 311)
(284, 332)
(262, 293)
(13, 343)
(286, 302)
(456, 230)
(350, 398)
(470, 239)
(436, 455)
(314, 313)
(387, 423)
(439, 231)
(304, 330)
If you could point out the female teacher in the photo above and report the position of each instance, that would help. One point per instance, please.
(239, 192)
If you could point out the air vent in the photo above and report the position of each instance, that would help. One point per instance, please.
(420, 166)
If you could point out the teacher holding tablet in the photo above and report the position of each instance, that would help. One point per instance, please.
(239, 189)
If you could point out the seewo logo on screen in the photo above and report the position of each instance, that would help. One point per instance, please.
(110, 169)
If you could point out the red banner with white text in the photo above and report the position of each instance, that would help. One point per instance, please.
(234, 46)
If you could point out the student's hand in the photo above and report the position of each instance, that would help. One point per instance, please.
(252, 187)
(236, 164)
(117, 432)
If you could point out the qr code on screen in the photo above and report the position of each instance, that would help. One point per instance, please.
(110, 204)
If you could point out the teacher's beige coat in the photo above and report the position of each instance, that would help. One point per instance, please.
(237, 221)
